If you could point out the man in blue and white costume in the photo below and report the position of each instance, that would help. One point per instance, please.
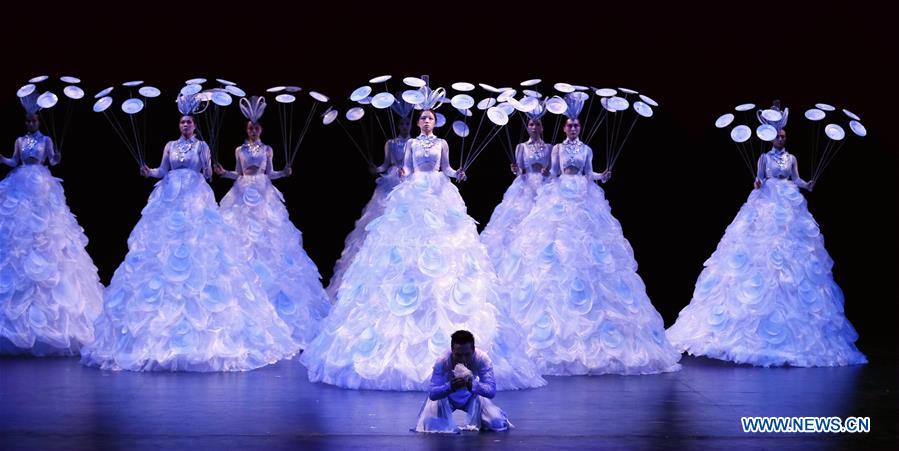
(462, 380)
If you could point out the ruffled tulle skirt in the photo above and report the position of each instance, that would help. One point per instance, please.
(184, 299)
(575, 291)
(766, 295)
(274, 249)
(508, 215)
(353, 242)
(421, 274)
(50, 293)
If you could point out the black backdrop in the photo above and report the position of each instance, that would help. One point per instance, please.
(678, 185)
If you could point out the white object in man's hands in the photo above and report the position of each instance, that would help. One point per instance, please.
(461, 371)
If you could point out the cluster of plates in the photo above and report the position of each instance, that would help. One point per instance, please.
(766, 132)
(133, 104)
(365, 95)
(288, 94)
(48, 99)
(222, 95)
(835, 131)
(742, 133)
(498, 105)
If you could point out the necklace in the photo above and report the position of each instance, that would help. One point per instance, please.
(535, 149)
(426, 142)
(182, 148)
(782, 159)
(572, 147)
(30, 142)
(253, 147)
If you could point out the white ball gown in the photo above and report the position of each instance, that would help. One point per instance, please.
(274, 246)
(518, 200)
(573, 281)
(394, 153)
(184, 299)
(766, 295)
(420, 275)
(50, 293)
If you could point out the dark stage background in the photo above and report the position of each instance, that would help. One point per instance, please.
(678, 185)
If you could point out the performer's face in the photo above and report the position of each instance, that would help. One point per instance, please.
(254, 131)
(404, 126)
(187, 126)
(572, 128)
(426, 122)
(32, 123)
(535, 128)
(463, 353)
(781, 140)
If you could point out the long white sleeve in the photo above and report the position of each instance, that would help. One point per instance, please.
(205, 160)
(164, 165)
(444, 160)
(270, 165)
(14, 160)
(519, 158)
(795, 173)
(588, 167)
(760, 175)
(556, 169)
(238, 169)
(386, 163)
(53, 155)
(408, 157)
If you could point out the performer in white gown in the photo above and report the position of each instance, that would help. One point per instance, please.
(573, 279)
(532, 166)
(256, 209)
(185, 299)
(766, 295)
(50, 293)
(421, 274)
(394, 152)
